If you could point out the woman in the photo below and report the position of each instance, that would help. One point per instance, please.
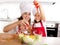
(39, 18)
(23, 22)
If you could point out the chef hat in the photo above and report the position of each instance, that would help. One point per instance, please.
(25, 7)
(34, 11)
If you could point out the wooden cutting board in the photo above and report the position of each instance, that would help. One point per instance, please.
(9, 39)
(10, 42)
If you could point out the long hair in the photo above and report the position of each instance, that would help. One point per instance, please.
(20, 18)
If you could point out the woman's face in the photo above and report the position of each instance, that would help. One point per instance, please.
(26, 16)
(37, 17)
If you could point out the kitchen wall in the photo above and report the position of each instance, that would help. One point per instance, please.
(8, 10)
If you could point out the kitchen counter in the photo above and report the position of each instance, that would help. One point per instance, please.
(7, 39)
(51, 40)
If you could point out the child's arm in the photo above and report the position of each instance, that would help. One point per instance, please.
(37, 5)
(41, 13)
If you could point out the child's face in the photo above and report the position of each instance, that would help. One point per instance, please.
(37, 17)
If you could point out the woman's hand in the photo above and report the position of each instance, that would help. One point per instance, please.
(23, 25)
(21, 22)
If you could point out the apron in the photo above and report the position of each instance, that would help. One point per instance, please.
(39, 30)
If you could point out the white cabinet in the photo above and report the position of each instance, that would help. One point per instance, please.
(59, 30)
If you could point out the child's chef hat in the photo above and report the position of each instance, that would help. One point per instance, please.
(34, 11)
(25, 7)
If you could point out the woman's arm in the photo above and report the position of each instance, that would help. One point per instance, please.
(11, 26)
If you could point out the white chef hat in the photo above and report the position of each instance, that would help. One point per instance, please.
(26, 7)
(34, 11)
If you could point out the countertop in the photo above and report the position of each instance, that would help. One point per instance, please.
(7, 39)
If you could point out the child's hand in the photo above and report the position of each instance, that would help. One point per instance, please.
(36, 3)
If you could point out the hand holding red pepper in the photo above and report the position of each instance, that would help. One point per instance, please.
(36, 4)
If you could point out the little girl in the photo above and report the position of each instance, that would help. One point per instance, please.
(38, 27)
